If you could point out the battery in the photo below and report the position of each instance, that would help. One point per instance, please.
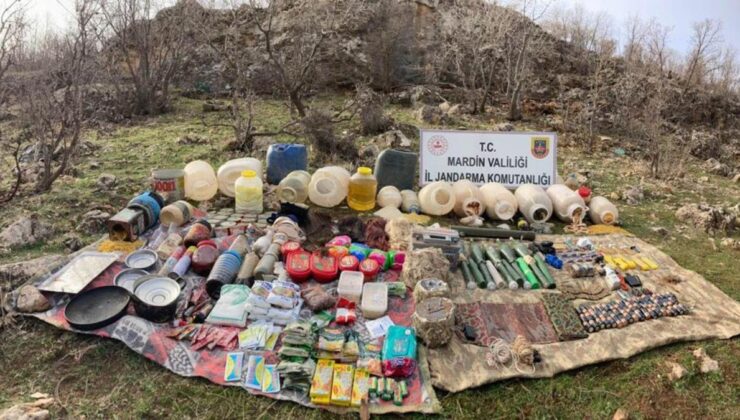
(397, 395)
(373, 389)
(404, 388)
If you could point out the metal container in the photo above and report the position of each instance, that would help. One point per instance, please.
(127, 225)
(144, 259)
(127, 278)
(169, 183)
(155, 298)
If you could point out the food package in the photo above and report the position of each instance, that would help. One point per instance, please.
(283, 294)
(321, 384)
(360, 387)
(341, 387)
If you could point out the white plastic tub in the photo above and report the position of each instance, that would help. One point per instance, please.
(350, 285)
(374, 300)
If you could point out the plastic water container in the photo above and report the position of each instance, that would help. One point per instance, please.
(201, 183)
(248, 190)
(500, 202)
(437, 198)
(566, 203)
(350, 285)
(230, 171)
(465, 193)
(397, 168)
(294, 187)
(374, 300)
(284, 158)
(602, 211)
(362, 189)
(410, 202)
(389, 196)
(534, 203)
(329, 186)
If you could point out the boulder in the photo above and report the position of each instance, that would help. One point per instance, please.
(707, 363)
(391, 140)
(189, 139)
(72, 242)
(708, 218)
(504, 126)
(425, 95)
(93, 222)
(25, 231)
(633, 195)
(30, 300)
(677, 371)
(368, 154)
(431, 114)
(106, 181)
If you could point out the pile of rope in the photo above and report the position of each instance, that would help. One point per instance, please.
(519, 355)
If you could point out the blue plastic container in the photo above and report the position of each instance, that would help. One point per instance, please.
(283, 158)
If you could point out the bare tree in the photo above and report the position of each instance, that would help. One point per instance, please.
(705, 49)
(634, 42)
(12, 28)
(657, 46)
(472, 52)
(301, 46)
(524, 39)
(147, 51)
(226, 32)
(390, 46)
(53, 97)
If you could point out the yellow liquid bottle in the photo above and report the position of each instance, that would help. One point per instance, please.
(362, 190)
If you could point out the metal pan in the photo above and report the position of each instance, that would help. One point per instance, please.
(97, 307)
(127, 278)
(155, 297)
(144, 259)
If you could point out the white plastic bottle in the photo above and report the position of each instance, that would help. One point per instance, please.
(567, 204)
(437, 198)
(294, 187)
(500, 202)
(410, 201)
(602, 211)
(467, 196)
(389, 196)
(248, 189)
(534, 203)
(329, 186)
(230, 171)
(200, 181)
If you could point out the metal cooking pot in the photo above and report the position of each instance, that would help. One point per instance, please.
(155, 297)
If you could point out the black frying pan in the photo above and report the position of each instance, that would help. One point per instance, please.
(97, 307)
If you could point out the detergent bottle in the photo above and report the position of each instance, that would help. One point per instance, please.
(534, 203)
(568, 204)
(500, 202)
(248, 190)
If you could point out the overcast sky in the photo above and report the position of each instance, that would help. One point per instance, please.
(679, 14)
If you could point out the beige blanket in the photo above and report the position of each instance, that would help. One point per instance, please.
(460, 366)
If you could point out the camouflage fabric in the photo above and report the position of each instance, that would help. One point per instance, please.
(459, 365)
(492, 321)
(563, 316)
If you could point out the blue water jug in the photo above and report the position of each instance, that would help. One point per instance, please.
(283, 159)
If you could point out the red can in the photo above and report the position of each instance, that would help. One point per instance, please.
(298, 266)
(369, 268)
(349, 263)
(204, 257)
(324, 267)
(290, 247)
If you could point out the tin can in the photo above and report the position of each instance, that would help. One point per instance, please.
(169, 183)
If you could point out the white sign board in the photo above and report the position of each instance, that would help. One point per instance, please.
(509, 158)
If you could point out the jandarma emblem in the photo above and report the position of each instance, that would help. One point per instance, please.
(437, 145)
(540, 147)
